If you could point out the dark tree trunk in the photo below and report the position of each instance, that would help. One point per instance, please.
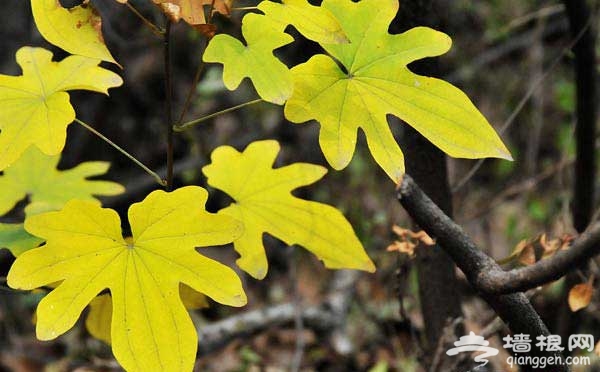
(438, 289)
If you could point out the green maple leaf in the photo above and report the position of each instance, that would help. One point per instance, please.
(377, 82)
(35, 106)
(76, 30)
(35, 175)
(264, 203)
(86, 253)
(271, 78)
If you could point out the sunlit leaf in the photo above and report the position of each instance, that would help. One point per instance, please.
(77, 30)
(98, 320)
(35, 106)
(84, 249)
(314, 22)
(271, 78)
(264, 203)
(375, 82)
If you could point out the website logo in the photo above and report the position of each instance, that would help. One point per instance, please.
(471, 343)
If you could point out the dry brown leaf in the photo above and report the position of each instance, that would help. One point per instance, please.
(408, 240)
(192, 11)
(580, 295)
(402, 247)
(527, 255)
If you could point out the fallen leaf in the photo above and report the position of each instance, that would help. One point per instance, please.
(264, 203)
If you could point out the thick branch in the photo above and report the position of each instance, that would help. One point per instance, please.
(514, 309)
(481, 270)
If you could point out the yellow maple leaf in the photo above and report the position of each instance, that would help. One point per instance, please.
(357, 84)
(77, 30)
(271, 77)
(85, 249)
(35, 106)
(314, 22)
(264, 203)
(98, 320)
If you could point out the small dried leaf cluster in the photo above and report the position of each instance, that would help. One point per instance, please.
(408, 240)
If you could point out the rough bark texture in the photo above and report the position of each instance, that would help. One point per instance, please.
(438, 289)
(514, 309)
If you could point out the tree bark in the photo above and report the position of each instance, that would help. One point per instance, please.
(438, 288)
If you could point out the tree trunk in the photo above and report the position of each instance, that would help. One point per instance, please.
(438, 289)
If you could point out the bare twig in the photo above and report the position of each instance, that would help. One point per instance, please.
(324, 317)
(168, 102)
(154, 28)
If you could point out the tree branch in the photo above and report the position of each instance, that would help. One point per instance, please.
(481, 270)
(514, 309)
(329, 316)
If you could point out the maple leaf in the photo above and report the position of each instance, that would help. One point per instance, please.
(271, 77)
(99, 317)
(314, 22)
(377, 82)
(35, 175)
(35, 106)
(14, 238)
(77, 30)
(84, 249)
(264, 203)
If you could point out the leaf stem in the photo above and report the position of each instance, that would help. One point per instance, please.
(245, 8)
(128, 155)
(190, 94)
(154, 28)
(186, 125)
(168, 102)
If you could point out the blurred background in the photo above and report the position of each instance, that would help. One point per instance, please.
(310, 318)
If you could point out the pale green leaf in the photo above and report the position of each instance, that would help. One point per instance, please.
(76, 30)
(264, 203)
(14, 237)
(271, 78)
(85, 251)
(35, 175)
(35, 106)
(376, 82)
